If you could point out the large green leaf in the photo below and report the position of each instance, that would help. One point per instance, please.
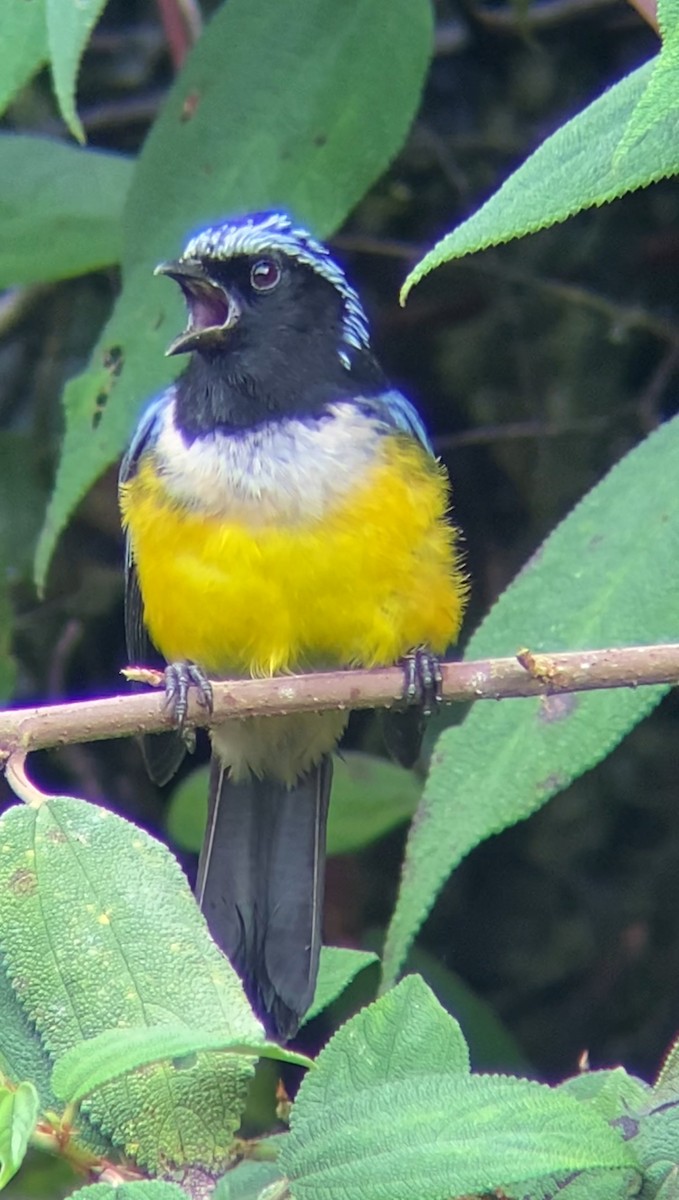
(69, 25)
(405, 1035)
(608, 576)
(60, 207)
(23, 45)
(337, 86)
(580, 166)
(391, 1110)
(100, 931)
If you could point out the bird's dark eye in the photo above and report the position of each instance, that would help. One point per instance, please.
(264, 275)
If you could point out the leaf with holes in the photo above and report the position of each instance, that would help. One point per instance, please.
(300, 139)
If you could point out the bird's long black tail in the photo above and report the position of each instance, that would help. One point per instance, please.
(260, 885)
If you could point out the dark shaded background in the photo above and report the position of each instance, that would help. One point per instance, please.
(536, 367)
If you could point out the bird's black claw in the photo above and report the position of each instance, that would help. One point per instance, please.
(422, 680)
(180, 677)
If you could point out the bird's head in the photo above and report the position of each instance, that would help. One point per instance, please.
(260, 284)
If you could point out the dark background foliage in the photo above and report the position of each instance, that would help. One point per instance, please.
(536, 367)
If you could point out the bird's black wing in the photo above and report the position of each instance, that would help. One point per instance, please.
(163, 752)
(403, 728)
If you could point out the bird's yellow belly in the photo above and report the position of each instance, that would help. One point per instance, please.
(377, 575)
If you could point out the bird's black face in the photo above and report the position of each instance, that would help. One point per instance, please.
(265, 305)
(274, 328)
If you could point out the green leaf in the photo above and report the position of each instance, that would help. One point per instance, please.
(611, 1092)
(578, 167)
(23, 45)
(100, 931)
(667, 1083)
(653, 1135)
(607, 576)
(431, 1134)
(18, 1117)
(22, 502)
(7, 666)
(246, 1181)
(369, 797)
(22, 1055)
(187, 811)
(659, 98)
(117, 1052)
(60, 207)
(22, 498)
(142, 1189)
(609, 1184)
(69, 25)
(337, 969)
(337, 87)
(491, 1046)
(403, 1035)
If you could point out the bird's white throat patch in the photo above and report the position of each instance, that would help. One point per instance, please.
(289, 470)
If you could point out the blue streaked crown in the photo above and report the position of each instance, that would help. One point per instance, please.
(258, 233)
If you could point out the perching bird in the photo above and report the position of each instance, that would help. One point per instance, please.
(284, 513)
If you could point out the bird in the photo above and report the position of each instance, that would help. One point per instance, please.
(283, 512)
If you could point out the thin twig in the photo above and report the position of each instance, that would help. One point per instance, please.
(489, 679)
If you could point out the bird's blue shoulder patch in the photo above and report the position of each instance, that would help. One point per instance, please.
(398, 413)
(144, 434)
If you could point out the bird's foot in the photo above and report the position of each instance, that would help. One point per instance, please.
(180, 677)
(422, 680)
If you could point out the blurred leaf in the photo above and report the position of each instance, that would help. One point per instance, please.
(18, 1118)
(7, 665)
(186, 814)
(60, 207)
(22, 503)
(100, 931)
(337, 87)
(391, 1110)
(23, 45)
(246, 1181)
(370, 796)
(607, 576)
(577, 167)
(42, 1176)
(69, 25)
(117, 1052)
(22, 499)
(337, 968)
(612, 1093)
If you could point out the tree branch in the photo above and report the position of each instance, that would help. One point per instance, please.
(24, 730)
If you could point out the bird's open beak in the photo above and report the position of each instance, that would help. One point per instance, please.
(212, 311)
